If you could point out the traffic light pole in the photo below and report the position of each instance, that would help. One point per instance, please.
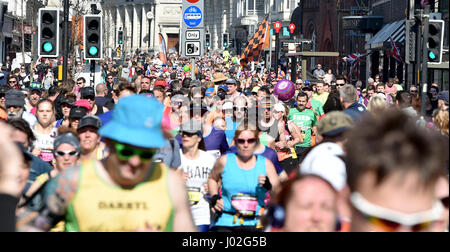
(65, 39)
(277, 53)
(424, 61)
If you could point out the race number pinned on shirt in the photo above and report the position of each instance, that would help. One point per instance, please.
(194, 195)
(245, 204)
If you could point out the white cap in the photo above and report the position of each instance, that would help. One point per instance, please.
(381, 95)
(278, 107)
(227, 105)
(324, 161)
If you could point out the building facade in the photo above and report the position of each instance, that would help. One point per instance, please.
(141, 21)
(240, 19)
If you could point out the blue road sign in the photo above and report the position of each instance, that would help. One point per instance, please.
(192, 16)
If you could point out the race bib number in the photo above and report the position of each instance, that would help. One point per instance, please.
(194, 195)
(245, 204)
(47, 155)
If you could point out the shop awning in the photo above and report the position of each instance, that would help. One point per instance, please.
(396, 30)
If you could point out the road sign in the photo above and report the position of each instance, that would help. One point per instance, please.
(193, 49)
(193, 16)
(192, 30)
(150, 15)
(192, 35)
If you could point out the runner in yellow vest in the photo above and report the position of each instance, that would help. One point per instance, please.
(124, 192)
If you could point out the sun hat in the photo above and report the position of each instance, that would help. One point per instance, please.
(136, 120)
(219, 77)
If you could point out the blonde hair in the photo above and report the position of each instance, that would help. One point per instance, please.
(377, 105)
(441, 122)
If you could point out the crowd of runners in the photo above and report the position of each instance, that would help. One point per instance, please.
(214, 147)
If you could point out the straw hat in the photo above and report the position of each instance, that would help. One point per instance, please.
(219, 77)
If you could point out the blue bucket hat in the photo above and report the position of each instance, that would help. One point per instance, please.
(136, 121)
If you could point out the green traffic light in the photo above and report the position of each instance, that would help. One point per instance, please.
(431, 55)
(93, 50)
(48, 47)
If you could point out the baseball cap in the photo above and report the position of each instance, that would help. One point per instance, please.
(87, 92)
(15, 98)
(68, 138)
(231, 82)
(278, 107)
(36, 86)
(160, 83)
(192, 127)
(443, 95)
(77, 112)
(136, 120)
(210, 91)
(90, 120)
(381, 95)
(223, 87)
(324, 161)
(83, 103)
(67, 101)
(334, 123)
(227, 105)
(307, 88)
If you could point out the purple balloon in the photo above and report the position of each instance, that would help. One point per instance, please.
(284, 90)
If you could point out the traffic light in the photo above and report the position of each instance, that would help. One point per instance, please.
(48, 37)
(208, 40)
(435, 41)
(226, 40)
(93, 37)
(410, 41)
(120, 37)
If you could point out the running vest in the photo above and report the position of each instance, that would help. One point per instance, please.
(240, 189)
(98, 206)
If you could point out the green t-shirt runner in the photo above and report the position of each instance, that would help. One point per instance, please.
(317, 106)
(305, 120)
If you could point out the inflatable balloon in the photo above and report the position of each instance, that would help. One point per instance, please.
(284, 90)
(186, 68)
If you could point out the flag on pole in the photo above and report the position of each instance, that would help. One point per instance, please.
(395, 52)
(253, 50)
(162, 49)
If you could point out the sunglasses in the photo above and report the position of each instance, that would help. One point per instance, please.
(249, 141)
(12, 81)
(391, 220)
(63, 153)
(125, 153)
(189, 134)
(239, 108)
(413, 91)
(340, 85)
